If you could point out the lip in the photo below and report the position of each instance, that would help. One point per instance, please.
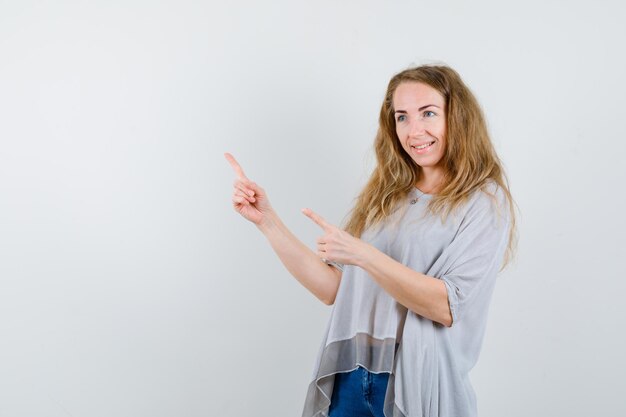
(420, 151)
(421, 143)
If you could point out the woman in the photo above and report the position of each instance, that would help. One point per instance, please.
(412, 273)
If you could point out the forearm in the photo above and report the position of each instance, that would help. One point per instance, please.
(318, 277)
(420, 293)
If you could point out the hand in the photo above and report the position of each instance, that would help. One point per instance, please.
(249, 199)
(337, 245)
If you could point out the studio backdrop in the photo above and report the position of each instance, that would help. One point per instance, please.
(129, 287)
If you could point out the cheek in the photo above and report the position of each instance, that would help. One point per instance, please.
(399, 137)
(444, 145)
(401, 132)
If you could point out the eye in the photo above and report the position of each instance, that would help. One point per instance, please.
(428, 113)
(401, 118)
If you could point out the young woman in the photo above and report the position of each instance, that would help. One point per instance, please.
(412, 273)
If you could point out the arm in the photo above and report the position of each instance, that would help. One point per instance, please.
(465, 271)
(316, 276)
(424, 295)
(251, 201)
(461, 276)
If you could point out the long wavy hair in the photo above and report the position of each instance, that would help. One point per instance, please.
(470, 159)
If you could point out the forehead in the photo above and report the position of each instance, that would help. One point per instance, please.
(416, 94)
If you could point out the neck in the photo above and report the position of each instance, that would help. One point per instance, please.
(430, 181)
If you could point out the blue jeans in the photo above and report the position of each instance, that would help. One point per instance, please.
(358, 393)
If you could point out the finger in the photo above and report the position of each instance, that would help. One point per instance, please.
(319, 220)
(240, 193)
(246, 186)
(233, 163)
(240, 200)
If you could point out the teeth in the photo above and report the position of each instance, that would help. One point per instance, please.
(424, 146)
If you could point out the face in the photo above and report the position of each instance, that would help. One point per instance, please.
(421, 124)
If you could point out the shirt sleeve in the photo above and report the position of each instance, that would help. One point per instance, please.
(335, 264)
(470, 264)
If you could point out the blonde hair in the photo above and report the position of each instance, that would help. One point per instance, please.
(470, 159)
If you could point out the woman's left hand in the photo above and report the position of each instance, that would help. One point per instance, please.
(337, 245)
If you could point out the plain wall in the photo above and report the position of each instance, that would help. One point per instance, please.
(129, 286)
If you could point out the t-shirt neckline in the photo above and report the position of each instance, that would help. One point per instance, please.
(419, 193)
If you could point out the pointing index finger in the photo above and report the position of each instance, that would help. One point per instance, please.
(319, 220)
(233, 163)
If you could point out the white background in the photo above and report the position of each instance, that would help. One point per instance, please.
(130, 288)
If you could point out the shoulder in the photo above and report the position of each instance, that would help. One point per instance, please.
(489, 194)
(490, 199)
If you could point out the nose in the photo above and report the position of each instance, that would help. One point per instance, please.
(417, 127)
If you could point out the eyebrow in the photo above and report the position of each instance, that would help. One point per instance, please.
(420, 109)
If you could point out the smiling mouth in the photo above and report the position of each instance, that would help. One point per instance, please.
(424, 146)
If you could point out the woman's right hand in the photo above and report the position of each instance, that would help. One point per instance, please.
(249, 199)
